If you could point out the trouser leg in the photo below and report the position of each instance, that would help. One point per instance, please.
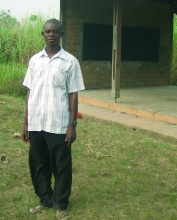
(61, 163)
(40, 168)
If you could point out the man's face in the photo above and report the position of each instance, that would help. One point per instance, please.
(52, 34)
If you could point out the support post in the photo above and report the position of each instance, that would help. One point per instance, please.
(116, 50)
(63, 21)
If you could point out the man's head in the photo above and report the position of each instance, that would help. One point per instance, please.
(52, 32)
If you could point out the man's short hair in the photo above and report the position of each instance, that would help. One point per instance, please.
(53, 21)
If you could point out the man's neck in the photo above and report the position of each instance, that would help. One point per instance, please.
(51, 51)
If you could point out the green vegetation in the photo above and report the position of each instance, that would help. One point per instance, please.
(11, 78)
(18, 42)
(117, 173)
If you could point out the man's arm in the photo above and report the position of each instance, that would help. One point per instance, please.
(25, 135)
(73, 106)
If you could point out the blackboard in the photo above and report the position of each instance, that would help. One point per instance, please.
(97, 42)
(138, 44)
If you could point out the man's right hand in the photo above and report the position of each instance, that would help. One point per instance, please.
(25, 134)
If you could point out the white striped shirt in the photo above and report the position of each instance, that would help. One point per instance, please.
(50, 81)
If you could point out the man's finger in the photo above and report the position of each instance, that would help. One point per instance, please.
(69, 143)
(25, 138)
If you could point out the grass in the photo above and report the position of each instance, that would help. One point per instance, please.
(11, 78)
(117, 173)
(21, 40)
(17, 45)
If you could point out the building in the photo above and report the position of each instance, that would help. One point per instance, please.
(120, 43)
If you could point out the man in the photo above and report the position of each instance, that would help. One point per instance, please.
(53, 78)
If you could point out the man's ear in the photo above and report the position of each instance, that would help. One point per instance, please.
(62, 33)
(42, 33)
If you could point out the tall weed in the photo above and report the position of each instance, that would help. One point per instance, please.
(18, 44)
(11, 78)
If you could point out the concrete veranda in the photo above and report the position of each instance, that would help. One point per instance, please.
(151, 108)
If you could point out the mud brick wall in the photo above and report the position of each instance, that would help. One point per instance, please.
(135, 13)
(148, 14)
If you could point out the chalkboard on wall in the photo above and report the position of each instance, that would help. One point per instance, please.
(138, 44)
(97, 42)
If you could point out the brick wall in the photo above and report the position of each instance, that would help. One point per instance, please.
(140, 13)
(148, 14)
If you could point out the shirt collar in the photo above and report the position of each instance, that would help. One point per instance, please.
(60, 54)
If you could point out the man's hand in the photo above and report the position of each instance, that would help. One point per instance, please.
(25, 134)
(70, 135)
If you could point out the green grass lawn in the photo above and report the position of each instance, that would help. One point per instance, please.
(117, 173)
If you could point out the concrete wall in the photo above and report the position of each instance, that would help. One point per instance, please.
(140, 13)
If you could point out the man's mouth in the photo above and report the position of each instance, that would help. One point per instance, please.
(51, 39)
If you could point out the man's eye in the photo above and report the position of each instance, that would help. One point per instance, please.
(54, 32)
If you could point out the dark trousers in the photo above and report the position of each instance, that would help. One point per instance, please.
(49, 155)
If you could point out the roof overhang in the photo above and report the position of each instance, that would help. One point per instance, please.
(173, 4)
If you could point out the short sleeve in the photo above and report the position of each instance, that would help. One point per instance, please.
(29, 76)
(75, 80)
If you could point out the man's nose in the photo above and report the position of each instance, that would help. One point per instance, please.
(51, 33)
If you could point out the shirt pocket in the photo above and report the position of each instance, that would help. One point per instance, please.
(59, 79)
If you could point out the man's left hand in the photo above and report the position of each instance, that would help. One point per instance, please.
(70, 135)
